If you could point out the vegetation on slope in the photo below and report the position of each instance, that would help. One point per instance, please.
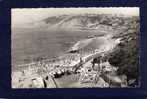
(126, 54)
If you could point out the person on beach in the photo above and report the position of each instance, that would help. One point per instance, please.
(96, 63)
(96, 60)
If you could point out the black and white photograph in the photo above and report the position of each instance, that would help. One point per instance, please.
(93, 47)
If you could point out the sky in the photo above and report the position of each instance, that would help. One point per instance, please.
(27, 15)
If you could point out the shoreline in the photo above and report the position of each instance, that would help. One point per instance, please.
(63, 58)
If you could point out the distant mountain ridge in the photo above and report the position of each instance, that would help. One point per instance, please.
(80, 22)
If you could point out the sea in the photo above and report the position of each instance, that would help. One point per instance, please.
(33, 44)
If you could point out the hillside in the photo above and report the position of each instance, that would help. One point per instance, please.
(82, 22)
(126, 54)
